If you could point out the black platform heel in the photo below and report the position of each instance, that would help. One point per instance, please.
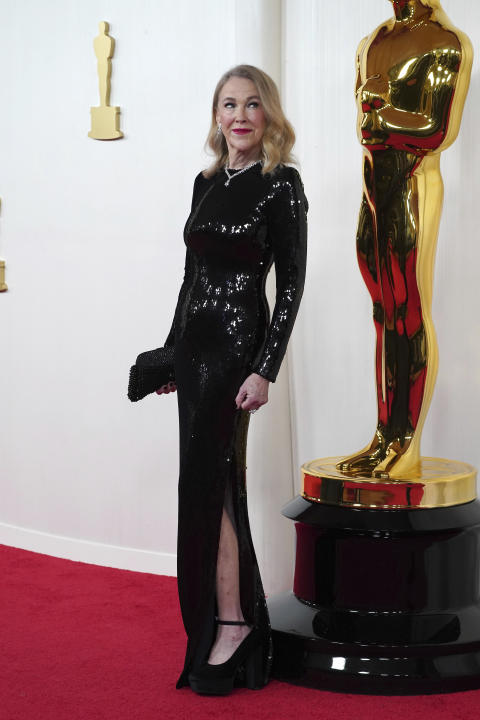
(219, 679)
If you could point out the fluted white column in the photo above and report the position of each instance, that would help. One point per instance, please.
(258, 41)
(258, 35)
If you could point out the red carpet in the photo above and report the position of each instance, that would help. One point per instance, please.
(85, 642)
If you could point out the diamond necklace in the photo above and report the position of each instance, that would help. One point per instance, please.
(233, 175)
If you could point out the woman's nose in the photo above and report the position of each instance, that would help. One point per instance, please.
(240, 114)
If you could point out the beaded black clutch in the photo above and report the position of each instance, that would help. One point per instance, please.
(152, 369)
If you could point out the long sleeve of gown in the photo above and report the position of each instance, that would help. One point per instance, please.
(288, 232)
(188, 271)
(187, 278)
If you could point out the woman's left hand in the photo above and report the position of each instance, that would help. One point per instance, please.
(253, 393)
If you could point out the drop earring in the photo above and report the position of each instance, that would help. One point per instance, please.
(219, 129)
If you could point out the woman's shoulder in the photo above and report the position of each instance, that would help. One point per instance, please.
(200, 184)
(286, 182)
(288, 177)
(285, 172)
(201, 180)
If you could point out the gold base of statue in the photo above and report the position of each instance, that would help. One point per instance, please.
(105, 123)
(435, 483)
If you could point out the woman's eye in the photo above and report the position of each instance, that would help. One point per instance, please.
(254, 104)
(228, 105)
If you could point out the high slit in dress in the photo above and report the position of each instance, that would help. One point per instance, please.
(222, 332)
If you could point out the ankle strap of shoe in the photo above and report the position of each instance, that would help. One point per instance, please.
(229, 622)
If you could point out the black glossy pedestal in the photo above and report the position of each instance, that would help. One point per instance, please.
(384, 601)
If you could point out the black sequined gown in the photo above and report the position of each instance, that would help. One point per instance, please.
(221, 333)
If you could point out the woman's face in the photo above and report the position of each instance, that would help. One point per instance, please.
(242, 117)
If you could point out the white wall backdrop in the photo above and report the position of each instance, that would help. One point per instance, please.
(92, 235)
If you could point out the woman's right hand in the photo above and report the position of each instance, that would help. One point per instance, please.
(169, 387)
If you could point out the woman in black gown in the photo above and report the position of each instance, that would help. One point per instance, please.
(248, 211)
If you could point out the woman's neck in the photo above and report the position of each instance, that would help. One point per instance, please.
(239, 160)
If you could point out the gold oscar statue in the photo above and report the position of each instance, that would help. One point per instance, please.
(413, 74)
(386, 588)
(105, 118)
(412, 79)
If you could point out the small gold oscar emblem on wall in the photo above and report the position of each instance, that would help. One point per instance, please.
(3, 284)
(105, 118)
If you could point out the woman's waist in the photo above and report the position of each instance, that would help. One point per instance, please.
(226, 312)
(209, 294)
(224, 316)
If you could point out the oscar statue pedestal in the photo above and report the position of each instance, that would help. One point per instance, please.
(105, 123)
(386, 595)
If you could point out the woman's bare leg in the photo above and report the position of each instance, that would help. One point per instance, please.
(228, 637)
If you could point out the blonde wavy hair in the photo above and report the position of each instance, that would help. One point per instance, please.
(278, 137)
